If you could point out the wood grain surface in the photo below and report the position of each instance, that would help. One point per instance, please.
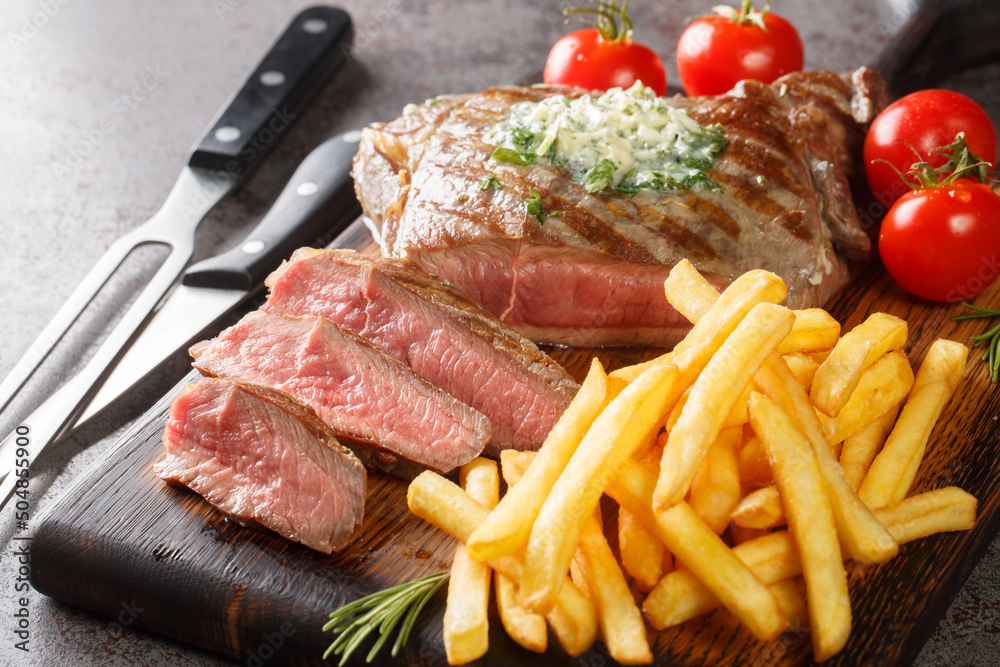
(120, 537)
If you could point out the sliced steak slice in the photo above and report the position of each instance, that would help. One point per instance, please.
(258, 455)
(437, 332)
(593, 275)
(356, 388)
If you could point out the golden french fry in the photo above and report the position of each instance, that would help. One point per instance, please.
(524, 627)
(734, 418)
(688, 291)
(892, 472)
(803, 368)
(814, 330)
(715, 490)
(444, 504)
(714, 394)
(759, 509)
(861, 534)
(621, 621)
(466, 627)
(710, 560)
(792, 601)
(711, 330)
(773, 557)
(859, 450)
(507, 528)
(622, 426)
(883, 385)
(810, 520)
(643, 555)
(938, 511)
(514, 465)
(858, 349)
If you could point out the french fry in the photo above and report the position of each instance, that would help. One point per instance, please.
(892, 472)
(524, 627)
(643, 555)
(860, 449)
(507, 528)
(861, 534)
(715, 490)
(759, 509)
(941, 510)
(803, 368)
(626, 422)
(793, 603)
(466, 627)
(692, 353)
(714, 394)
(688, 291)
(858, 349)
(444, 504)
(773, 557)
(710, 560)
(883, 385)
(734, 418)
(621, 621)
(814, 330)
(810, 519)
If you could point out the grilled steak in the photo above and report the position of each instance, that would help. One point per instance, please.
(437, 332)
(262, 457)
(594, 274)
(355, 387)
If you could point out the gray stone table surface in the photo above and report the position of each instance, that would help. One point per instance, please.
(100, 101)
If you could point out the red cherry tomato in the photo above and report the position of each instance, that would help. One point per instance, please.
(925, 119)
(586, 59)
(715, 52)
(943, 243)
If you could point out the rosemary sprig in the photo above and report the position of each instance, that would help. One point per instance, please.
(382, 610)
(991, 338)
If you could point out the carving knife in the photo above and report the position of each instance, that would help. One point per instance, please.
(317, 202)
(238, 139)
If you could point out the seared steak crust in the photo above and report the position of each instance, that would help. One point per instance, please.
(593, 275)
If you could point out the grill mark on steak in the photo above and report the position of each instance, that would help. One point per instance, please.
(356, 388)
(436, 331)
(800, 134)
(261, 457)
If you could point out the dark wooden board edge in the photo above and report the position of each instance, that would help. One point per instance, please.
(98, 544)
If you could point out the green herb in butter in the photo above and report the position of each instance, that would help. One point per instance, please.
(626, 140)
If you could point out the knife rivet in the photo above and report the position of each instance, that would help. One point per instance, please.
(315, 26)
(272, 78)
(307, 188)
(254, 247)
(227, 133)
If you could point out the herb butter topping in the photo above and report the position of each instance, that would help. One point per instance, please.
(626, 140)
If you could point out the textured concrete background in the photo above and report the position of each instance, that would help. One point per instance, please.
(100, 100)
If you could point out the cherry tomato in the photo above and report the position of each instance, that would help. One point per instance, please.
(925, 119)
(943, 243)
(586, 59)
(715, 52)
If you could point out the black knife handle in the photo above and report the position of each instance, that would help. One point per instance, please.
(940, 38)
(300, 62)
(317, 202)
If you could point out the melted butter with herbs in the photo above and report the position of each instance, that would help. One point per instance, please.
(626, 140)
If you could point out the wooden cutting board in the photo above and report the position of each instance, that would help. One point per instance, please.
(121, 541)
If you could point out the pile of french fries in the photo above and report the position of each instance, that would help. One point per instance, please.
(747, 464)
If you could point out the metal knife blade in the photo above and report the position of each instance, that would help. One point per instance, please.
(317, 202)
